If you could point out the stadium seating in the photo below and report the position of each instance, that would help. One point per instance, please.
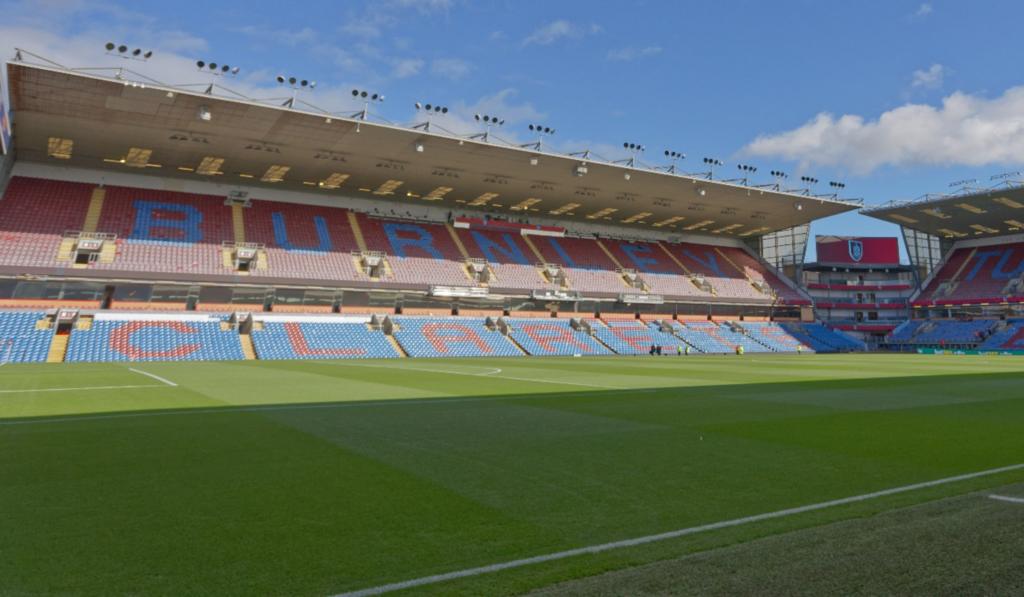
(705, 336)
(953, 332)
(34, 214)
(419, 253)
(1010, 337)
(184, 234)
(661, 274)
(906, 331)
(20, 340)
(734, 334)
(553, 337)
(315, 340)
(147, 339)
(302, 241)
(773, 336)
(634, 336)
(718, 271)
(821, 338)
(975, 275)
(178, 232)
(510, 258)
(757, 271)
(451, 337)
(586, 266)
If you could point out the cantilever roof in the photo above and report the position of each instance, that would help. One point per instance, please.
(105, 118)
(977, 213)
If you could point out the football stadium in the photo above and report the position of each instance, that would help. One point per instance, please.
(253, 346)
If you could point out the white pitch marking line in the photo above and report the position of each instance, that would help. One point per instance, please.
(1006, 498)
(153, 376)
(592, 549)
(79, 389)
(491, 372)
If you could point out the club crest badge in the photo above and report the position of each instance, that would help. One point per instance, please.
(856, 249)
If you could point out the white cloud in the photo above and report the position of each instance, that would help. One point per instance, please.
(286, 37)
(631, 53)
(169, 65)
(407, 68)
(379, 15)
(931, 78)
(964, 130)
(923, 10)
(450, 68)
(362, 28)
(501, 104)
(424, 6)
(558, 30)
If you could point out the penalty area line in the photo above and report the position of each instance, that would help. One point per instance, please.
(1006, 498)
(154, 376)
(78, 389)
(592, 549)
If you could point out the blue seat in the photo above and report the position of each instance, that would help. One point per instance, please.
(451, 337)
(20, 341)
(149, 340)
(321, 340)
(553, 337)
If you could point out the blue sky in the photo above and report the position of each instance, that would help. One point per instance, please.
(894, 98)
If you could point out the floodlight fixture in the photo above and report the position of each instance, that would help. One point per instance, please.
(123, 51)
(673, 156)
(711, 163)
(541, 131)
(296, 85)
(429, 110)
(489, 121)
(220, 69)
(366, 97)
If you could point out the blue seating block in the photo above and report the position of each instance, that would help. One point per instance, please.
(147, 340)
(451, 337)
(20, 341)
(315, 340)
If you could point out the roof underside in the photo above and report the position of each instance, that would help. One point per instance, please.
(989, 213)
(104, 119)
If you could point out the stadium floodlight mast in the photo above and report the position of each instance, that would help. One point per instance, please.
(219, 70)
(122, 51)
(673, 156)
(809, 182)
(778, 176)
(296, 84)
(367, 97)
(634, 149)
(539, 130)
(711, 163)
(746, 171)
(965, 185)
(489, 122)
(837, 187)
(429, 110)
(1010, 179)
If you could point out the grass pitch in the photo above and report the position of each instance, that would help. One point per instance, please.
(324, 477)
